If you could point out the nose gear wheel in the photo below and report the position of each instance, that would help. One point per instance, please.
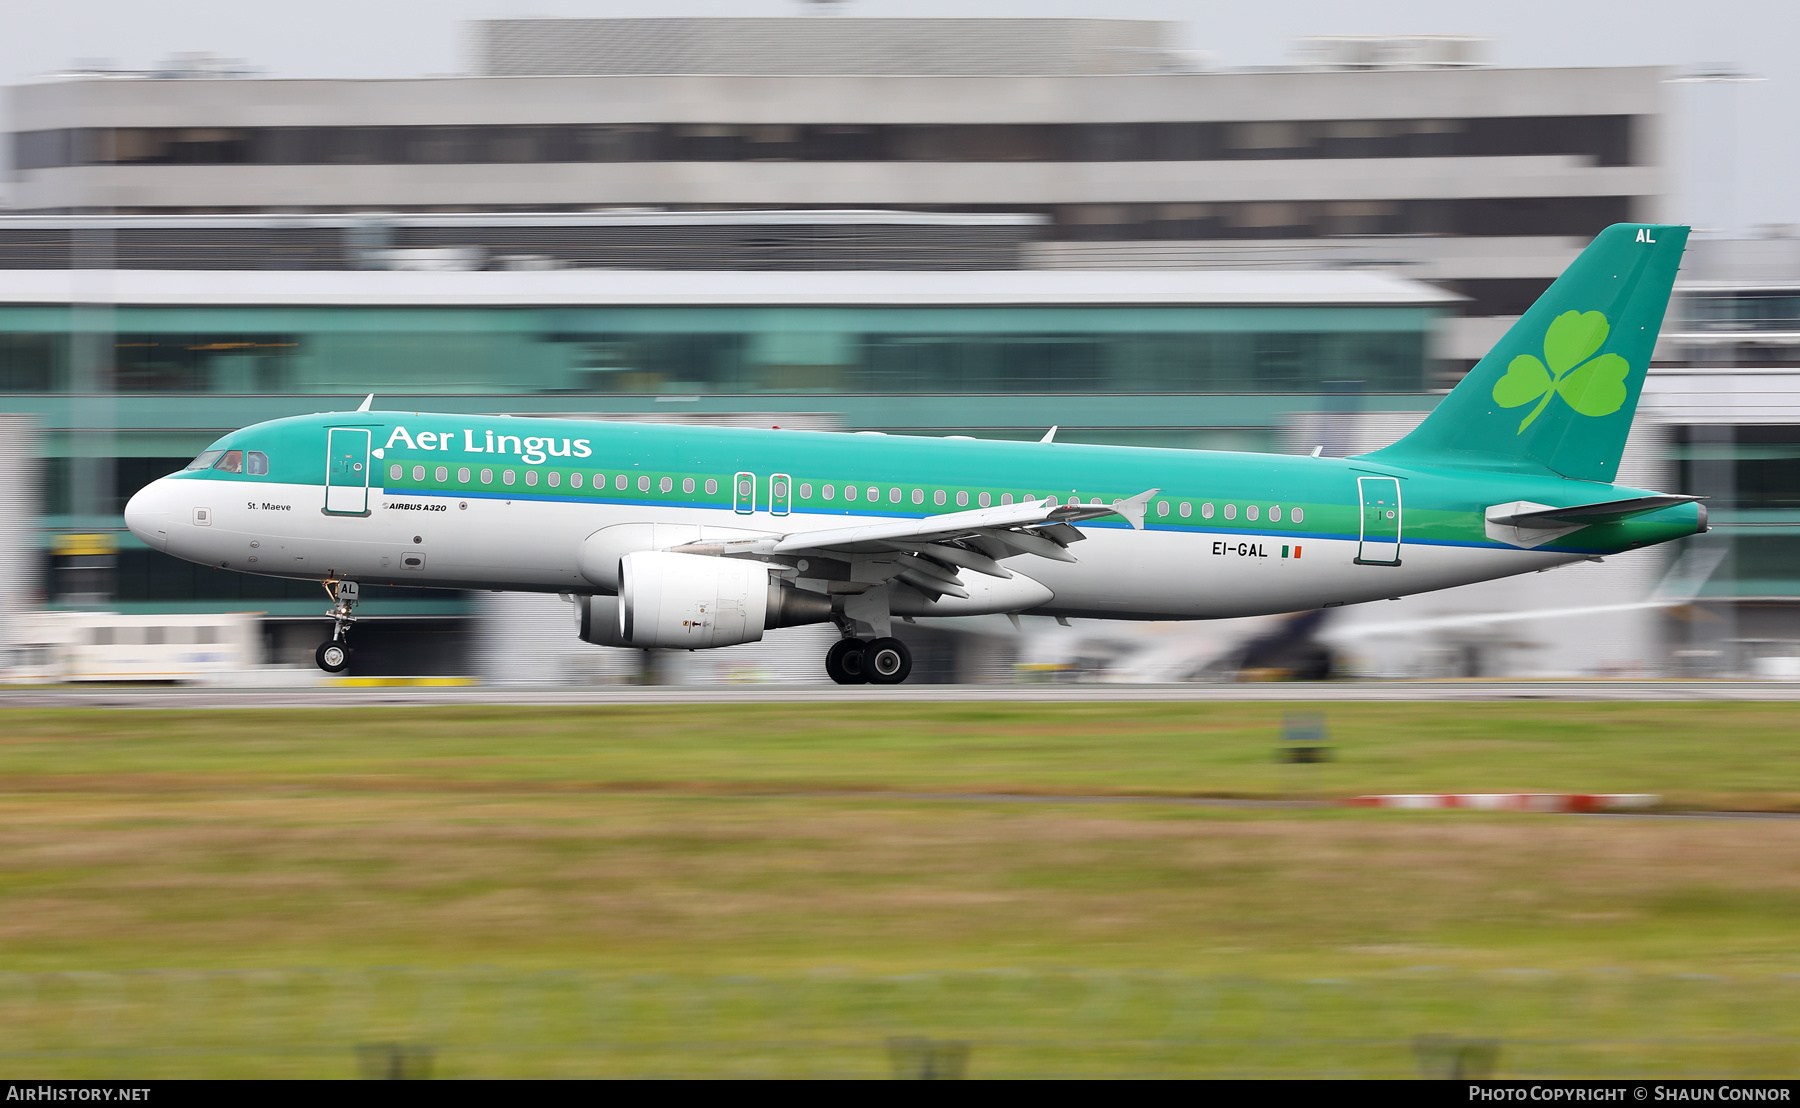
(333, 657)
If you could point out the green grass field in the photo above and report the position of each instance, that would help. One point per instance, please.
(778, 889)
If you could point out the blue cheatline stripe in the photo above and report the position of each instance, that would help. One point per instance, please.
(1303, 536)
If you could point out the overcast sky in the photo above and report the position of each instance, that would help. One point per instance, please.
(1744, 182)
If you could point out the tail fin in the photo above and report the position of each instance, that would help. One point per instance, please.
(1558, 393)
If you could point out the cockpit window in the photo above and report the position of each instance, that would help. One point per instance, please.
(231, 462)
(205, 460)
(257, 464)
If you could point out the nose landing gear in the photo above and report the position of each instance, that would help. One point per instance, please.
(333, 654)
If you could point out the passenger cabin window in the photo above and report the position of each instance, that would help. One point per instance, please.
(205, 460)
(256, 464)
(232, 461)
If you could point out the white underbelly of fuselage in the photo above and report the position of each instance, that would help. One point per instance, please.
(433, 541)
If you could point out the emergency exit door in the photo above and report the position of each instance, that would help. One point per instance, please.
(743, 493)
(347, 471)
(1381, 518)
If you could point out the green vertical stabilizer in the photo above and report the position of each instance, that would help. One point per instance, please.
(1558, 393)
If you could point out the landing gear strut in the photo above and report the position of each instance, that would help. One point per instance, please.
(333, 654)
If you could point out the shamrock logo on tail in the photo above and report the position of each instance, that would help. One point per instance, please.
(1593, 388)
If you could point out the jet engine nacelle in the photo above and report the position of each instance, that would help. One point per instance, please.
(693, 602)
(599, 554)
(597, 620)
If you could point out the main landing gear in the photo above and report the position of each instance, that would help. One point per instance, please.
(876, 662)
(333, 654)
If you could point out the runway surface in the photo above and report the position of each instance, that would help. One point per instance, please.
(290, 696)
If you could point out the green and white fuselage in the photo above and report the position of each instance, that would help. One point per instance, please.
(1227, 534)
(1511, 474)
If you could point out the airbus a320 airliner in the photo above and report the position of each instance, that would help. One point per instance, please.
(682, 537)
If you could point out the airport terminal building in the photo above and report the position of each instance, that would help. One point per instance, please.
(1132, 151)
(913, 226)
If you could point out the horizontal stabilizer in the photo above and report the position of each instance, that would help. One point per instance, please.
(1537, 517)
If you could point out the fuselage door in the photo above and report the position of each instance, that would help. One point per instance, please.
(743, 493)
(1380, 521)
(347, 471)
(779, 494)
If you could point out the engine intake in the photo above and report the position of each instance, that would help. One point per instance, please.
(692, 602)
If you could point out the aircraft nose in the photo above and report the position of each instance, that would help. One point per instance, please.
(150, 511)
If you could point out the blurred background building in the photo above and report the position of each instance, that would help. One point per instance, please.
(915, 226)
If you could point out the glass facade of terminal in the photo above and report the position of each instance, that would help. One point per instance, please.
(1750, 476)
(738, 351)
(1749, 472)
(1605, 139)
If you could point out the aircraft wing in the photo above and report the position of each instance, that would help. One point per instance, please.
(927, 553)
(1009, 521)
(1678, 588)
(1483, 619)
